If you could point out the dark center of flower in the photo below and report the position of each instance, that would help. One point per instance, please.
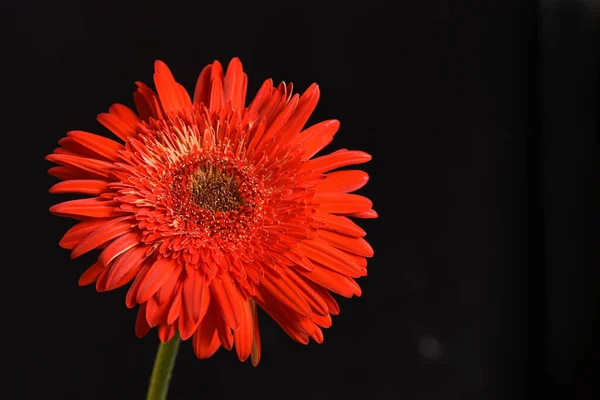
(215, 190)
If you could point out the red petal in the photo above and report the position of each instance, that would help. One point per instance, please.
(120, 120)
(316, 302)
(175, 309)
(284, 292)
(109, 231)
(171, 97)
(306, 105)
(119, 246)
(195, 295)
(316, 137)
(226, 296)
(91, 274)
(364, 214)
(224, 332)
(125, 267)
(202, 91)
(187, 327)
(274, 104)
(337, 159)
(156, 314)
(92, 187)
(332, 305)
(293, 324)
(243, 336)
(166, 332)
(331, 257)
(343, 181)
(95, 207)
(141, 325)
(145, 102)
(125, 114)
(341, 203)
(256, 350)
(353, 245)
(275, 127)
(317, 335)
(322, 320)
(157, 275)
(171, 287)
(70, 146)
(256, 138)
(300, 260)
(89, 167)
(79, 231)
(101, 280)
(206, 339)
(65, 173)
(130, 298)
(330, 280)
(264, 93)
(339, 224)
(359, 260)
(234, 84)
(216, 98)
(100, 145)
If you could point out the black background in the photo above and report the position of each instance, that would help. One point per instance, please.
(481, 117)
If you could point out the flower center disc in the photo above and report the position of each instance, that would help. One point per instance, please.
(215, 190)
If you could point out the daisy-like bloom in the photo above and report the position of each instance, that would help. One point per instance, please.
(211, 208)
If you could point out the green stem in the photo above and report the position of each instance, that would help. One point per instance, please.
(163, 367)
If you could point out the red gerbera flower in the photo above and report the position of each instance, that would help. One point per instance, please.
(212, 208)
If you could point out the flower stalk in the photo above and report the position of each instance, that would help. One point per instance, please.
(163, 369)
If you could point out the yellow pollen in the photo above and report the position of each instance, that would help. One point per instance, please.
(215, 190)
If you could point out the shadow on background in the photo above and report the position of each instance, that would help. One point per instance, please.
(570, 71)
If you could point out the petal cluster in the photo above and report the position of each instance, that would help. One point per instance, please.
(209, 208)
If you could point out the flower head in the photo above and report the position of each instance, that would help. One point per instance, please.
(210, 208)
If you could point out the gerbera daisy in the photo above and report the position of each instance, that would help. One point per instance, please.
(211, 208)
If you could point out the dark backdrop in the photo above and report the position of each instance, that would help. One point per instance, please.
(481, 117)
